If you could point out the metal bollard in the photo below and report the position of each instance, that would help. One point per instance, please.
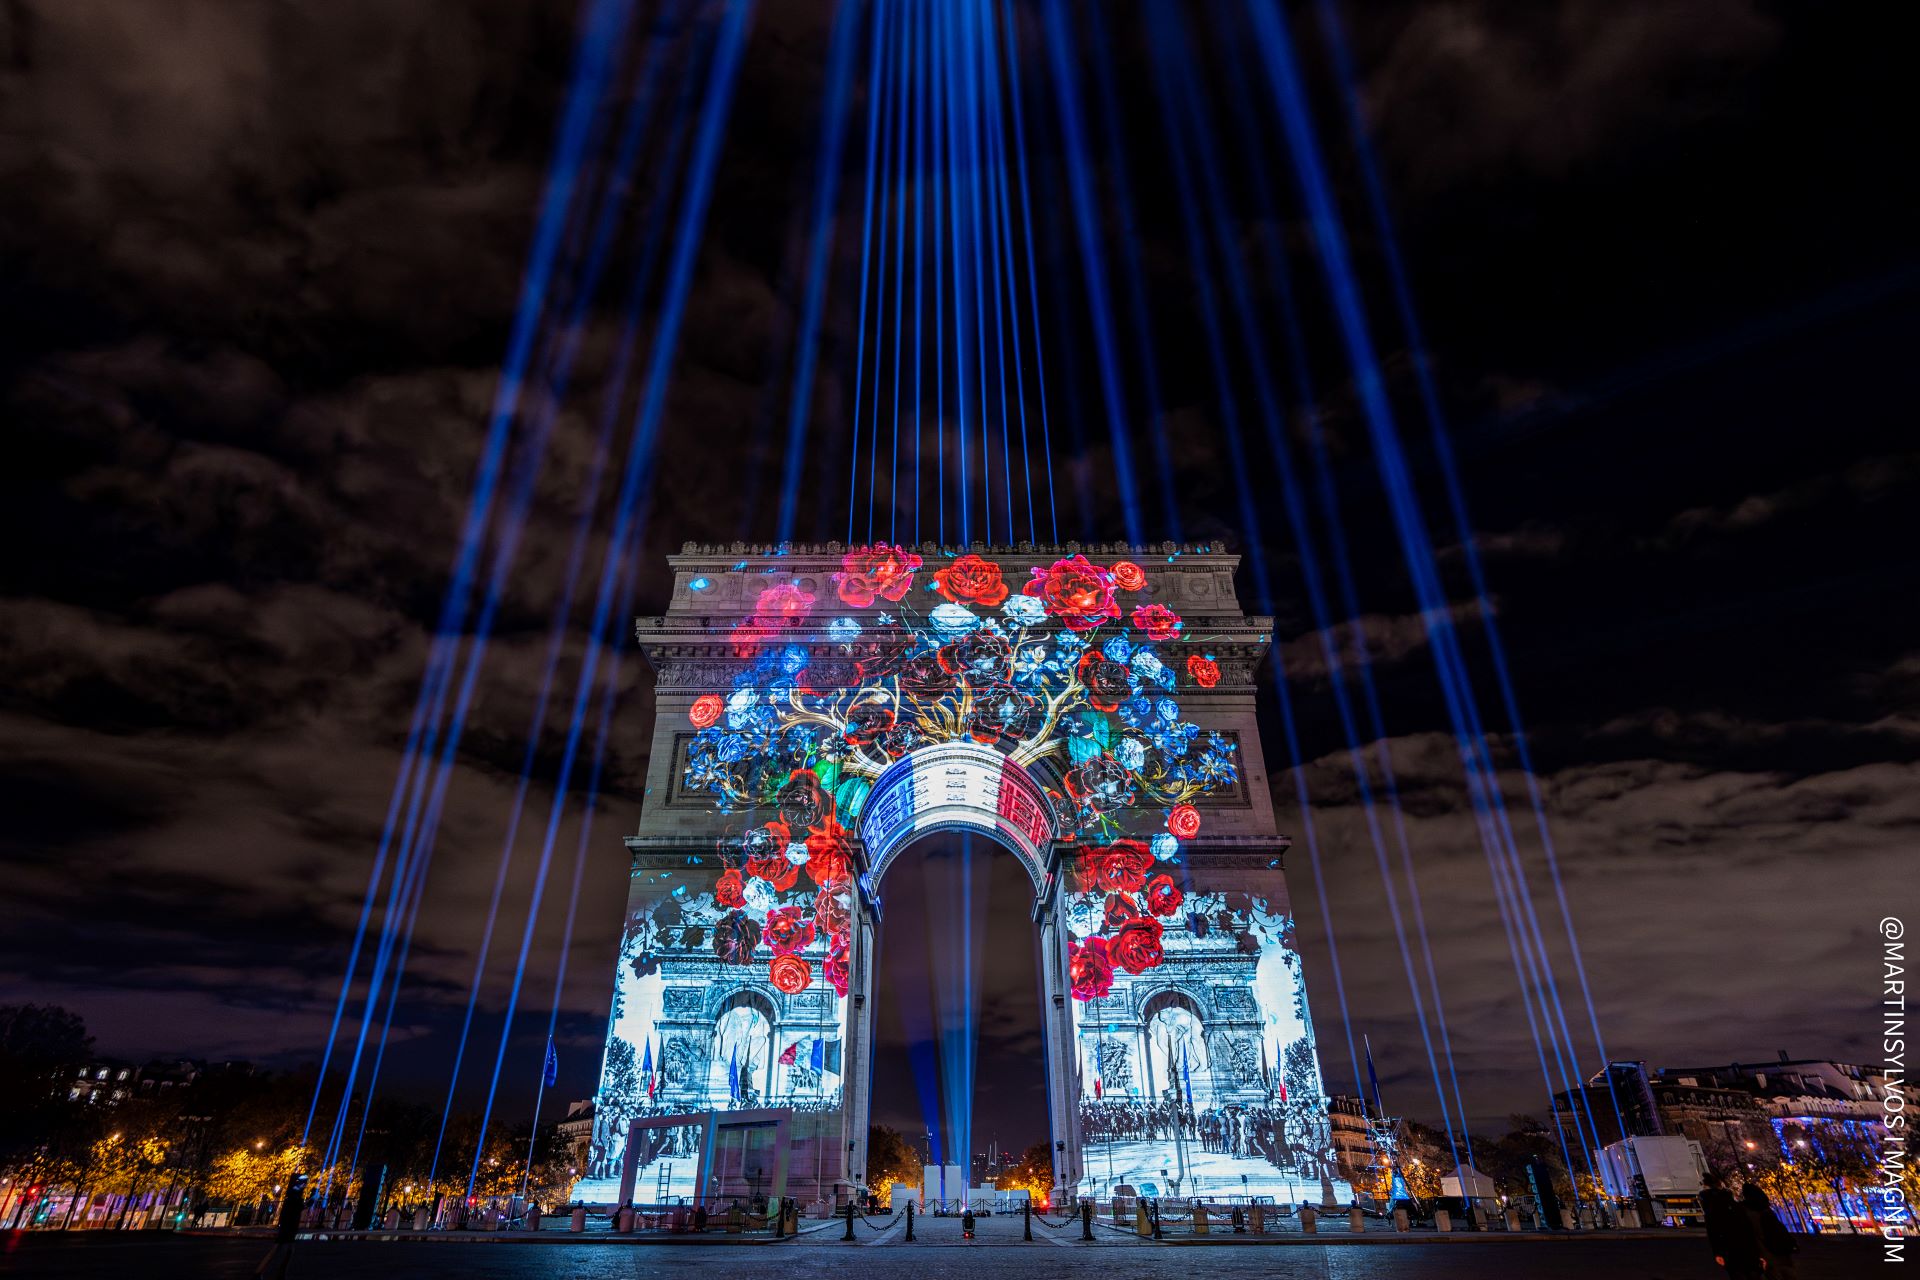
(1200, 1227)
(1442, 1221)
(849, 1234)
(1309, 1220)
(909, 1221)
(1513, 1219)
(1157, 1233)
(579, 1222)
(1026, 1219)
(1356, 1220)
(1400, 1220)
(1630, 1218)
(533, 1218)
(1258, 1215)
(421, 1217)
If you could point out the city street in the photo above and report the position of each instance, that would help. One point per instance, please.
(938, 1254)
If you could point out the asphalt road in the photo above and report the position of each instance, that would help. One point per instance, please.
(938, 1255)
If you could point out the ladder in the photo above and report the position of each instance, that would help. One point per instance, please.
(665, 1180)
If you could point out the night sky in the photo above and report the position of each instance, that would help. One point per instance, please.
(261, 260)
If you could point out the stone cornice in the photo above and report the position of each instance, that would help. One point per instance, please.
(696, 554)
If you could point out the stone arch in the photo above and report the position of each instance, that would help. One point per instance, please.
(957, 786)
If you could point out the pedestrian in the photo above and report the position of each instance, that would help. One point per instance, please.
(274, 1265)
(1730, 1232)
(1777, 1244)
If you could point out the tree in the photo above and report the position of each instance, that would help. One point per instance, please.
(39, 1047)
(1033, 1173)
(890, 1159)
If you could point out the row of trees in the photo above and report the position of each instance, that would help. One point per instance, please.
(228, 1140)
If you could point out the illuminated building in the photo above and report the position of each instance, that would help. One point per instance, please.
(1089, 708)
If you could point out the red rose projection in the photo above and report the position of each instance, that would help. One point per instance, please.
(1158, 621)
(1119, 910)
(1076, 591)
(705, 710)
(879, 572)
(1184, 821)
(788, 930)
(827, 854)
(1121, 867)
(972, 580)
(1129, 576)
(774, 869)
(1136, 948)
(833, 914)
(980, 656)
(790, 974)
(836, 970)
(1205, 671)
(727, 891)
(1105, 680)
(1163, 895)
(867, 722)
(1088, 969)
(783, 606)
(803, 801)
(735, 937)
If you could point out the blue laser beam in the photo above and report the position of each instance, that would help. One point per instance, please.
(846, 23)
(1033, 288)
(611, 401)
(1409, 523)
(1060, 46)
(1456, 499)
(599, 34)
(1180, 104)
(1131, 273)
(714, 113)
(876, 62)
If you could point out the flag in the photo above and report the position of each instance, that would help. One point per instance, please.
(790, 1054)
(818, 1058)
(733, 1074)
(1096, 1088)
(1187, 1076)
(1373, 1081)
(646, 1069)
(1266, 1080)
(550, 1074)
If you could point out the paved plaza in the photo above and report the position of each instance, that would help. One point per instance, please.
(938, 1253)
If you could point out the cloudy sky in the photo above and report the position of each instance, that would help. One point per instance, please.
(262, 260)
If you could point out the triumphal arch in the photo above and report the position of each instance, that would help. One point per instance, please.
(1090, 708)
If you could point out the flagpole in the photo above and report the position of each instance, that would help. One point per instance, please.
(527, 1172)
(549, 1070)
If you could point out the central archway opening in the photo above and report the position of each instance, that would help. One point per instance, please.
(959, 1068)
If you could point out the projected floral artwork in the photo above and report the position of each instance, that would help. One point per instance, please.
(1071, 667)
